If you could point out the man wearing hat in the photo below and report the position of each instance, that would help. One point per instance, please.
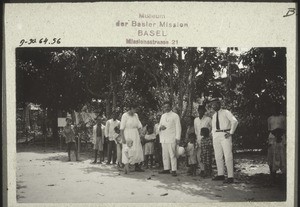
(223, 126)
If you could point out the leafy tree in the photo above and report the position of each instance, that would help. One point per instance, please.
(110, 78)
(252, 90)
(46, 76)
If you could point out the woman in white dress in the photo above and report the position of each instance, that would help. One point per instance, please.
(130, 128)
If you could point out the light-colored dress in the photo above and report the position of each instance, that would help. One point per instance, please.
(128, 155)
(98, 139)
(149, 146)
(191, 153)
(277, 151)
(130, 125)
(118, 140)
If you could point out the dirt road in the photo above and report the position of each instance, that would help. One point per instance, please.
(45, 176)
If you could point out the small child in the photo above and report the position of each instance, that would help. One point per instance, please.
(192, 155)
(118, 140)
(128, 155)
(149, 145)
(206, 149)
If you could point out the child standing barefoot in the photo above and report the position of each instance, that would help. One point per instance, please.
(128, 155)
(206, 151)
(69, 134)
(191, 153)
(118, 140)
(98, 139)
(149, 145)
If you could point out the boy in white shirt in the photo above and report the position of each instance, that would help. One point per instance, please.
(109, 133)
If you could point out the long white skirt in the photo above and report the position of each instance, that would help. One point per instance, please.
(138, 156)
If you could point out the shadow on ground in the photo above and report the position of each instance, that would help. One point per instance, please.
(243, 188)
(20, 186)
(197, 186)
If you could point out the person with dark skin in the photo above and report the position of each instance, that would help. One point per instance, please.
(98, 139)
(191, 154)
(69, 134)
(110, 126)
(118, 141)
(149, 145)
(206, 151)
(157, 145)
(201, 121)
(277, 142)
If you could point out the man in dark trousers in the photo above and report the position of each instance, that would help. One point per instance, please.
(110, 126)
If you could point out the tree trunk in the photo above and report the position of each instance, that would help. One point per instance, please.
(110, 98)
(171, 84)
(54, 125)
(107, 107)
(114, 101)
(181, 81)
(192, 91)
(189, 101)
(115, 80)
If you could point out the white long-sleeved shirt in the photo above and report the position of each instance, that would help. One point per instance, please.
(172, 132)
(205, 121)
(94, 135)
(110, 128)
(226, 120)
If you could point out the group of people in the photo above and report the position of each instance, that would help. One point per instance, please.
(132, 144)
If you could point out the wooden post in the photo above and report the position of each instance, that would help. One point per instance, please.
(78, 147)
(45, 139)
(60, 142)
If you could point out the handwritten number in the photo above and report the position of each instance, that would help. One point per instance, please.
(22, 42)
(40, 41)
(53, 41)
(32, 41)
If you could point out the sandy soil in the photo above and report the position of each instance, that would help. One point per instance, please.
(45, 176)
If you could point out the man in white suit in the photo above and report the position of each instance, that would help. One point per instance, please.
(223, 126)
(98, 139)
(169, 133)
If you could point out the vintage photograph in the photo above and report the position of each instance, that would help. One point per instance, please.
(151, 124)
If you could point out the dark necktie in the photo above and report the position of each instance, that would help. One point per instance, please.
(218, 123)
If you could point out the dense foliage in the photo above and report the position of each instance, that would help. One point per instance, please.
(110, 78)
